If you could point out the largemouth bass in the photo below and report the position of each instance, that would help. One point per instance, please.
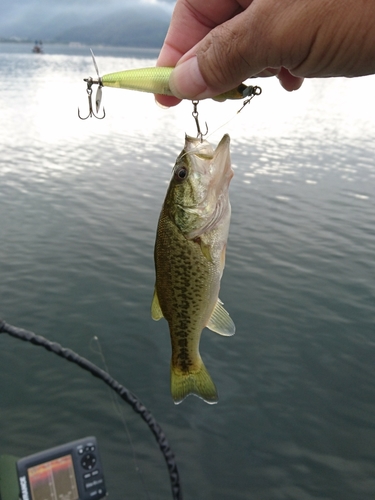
(190, 249)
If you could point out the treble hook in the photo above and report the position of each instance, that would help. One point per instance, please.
(200, 135)
(250, 92)
(98, 99)
(90, 83)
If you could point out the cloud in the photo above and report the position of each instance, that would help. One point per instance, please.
(40, 18)
(167, 5)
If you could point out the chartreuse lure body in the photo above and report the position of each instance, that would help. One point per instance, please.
(154, 80)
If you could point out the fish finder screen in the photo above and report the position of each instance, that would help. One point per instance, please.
(54, 480)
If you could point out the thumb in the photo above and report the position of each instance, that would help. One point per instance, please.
(187, 81)
(219, 62)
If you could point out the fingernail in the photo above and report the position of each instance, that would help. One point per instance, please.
(187, 82)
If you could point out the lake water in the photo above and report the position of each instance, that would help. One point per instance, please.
(79, 204)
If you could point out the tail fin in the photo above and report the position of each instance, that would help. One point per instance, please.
(197, 382)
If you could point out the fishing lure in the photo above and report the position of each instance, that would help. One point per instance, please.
(153, 80)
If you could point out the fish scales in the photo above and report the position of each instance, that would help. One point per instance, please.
(189, 260)
(184, 287)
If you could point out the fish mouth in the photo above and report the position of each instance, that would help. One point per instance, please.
(215, 165)
(221, 171)
(222, 162)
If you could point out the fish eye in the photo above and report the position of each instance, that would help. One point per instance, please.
(181, 173)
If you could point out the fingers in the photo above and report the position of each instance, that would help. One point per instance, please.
(289, 81)
(227, 55)
(191, 22)
(214, 51)
(166, 101)
(261, 40)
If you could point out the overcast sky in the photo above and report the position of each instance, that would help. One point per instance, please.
(7, 5)
(17, 17)
(15, 7)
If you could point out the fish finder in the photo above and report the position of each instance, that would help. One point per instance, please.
(72, 471)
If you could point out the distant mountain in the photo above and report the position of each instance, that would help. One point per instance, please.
(135, 25)
(142, 27)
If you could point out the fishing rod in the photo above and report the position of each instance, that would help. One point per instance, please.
(122, 391)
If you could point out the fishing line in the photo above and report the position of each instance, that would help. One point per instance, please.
(253, 91)
(223, 125)
(122, 391)
(231, 119)
(118, 410)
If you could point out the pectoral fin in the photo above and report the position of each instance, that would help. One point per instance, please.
(220, 321)
(156, 312)
(205, 250)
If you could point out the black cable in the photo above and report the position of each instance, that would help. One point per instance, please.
(124, 393)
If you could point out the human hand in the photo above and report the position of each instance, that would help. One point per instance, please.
(215, 45)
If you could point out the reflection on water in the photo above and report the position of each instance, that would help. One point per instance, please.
(79, 208)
